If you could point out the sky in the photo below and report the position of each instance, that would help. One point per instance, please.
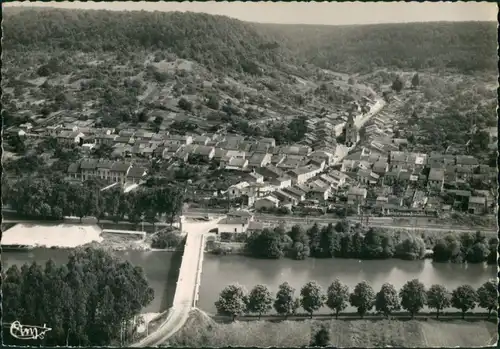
(331, 13)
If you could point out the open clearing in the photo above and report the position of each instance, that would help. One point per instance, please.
(200, 330)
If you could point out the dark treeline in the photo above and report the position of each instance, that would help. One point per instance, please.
(345, 240)
(55, 198)
(412, 297)
(465, 46)
(91, 300)
(222, 42)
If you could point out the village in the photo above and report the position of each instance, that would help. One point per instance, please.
(334, 170)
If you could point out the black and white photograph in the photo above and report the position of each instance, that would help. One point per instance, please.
(249, 174)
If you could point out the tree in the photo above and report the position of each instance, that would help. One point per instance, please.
(438, 298)
(213, 102)
(311, 297)
(413, 296)
(487, 296)
(267, 244)
(415, 81)
(231, 301)
(464, 298)
(285, 303)
(158, 120)
(478, 253)
(337, 297)
(321, 338)
(387, 300)
(185, 104)
(259, 300)
(362, 298)
(397, 84)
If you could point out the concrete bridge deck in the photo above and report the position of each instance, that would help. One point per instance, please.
(186, 293)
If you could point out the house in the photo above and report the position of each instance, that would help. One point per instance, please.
(304, 173)
(268, 141)
(107, 139)
(477, 205)
(67, 138)
(238, 190)
(282, 182)
(381, 201)
(136, 174)
(356, 196)
(464, 172)
(74, 171)
(435, 180)
(118, 171)
(340, 177)
(270, 172)
(397, 159)
(179, 140)
(292, 162)
(277, 159)
(88, 169)
(201, 140)
(255, 227)
(466, 161)
(319, 193)
(318, 163)
(267, 202)
(367, 177)
(380, 167)
(259, 160)
(322, 156)
(102, 169)
(205, 152)
(236, 164)
(285, 198)
(254, 177)
(235, 225)
(219, 154)
(295, 192)
(407, 177)
(237, 154)
(301, 150)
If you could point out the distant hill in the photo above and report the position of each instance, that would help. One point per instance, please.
(221, 42)
(466, 46)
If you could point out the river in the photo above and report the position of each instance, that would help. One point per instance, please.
(219, 271)
(161, 269)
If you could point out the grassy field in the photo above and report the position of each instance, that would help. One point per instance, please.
(201, 330)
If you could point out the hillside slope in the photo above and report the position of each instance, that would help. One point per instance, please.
(215, 41)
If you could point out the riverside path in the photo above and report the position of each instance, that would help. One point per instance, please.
(186, 292)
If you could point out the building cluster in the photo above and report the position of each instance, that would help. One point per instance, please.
(393, 183)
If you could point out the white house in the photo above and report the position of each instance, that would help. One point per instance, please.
(237, 190)
(233, 225)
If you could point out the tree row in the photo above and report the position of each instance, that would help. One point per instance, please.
(412, 297)
(345, 240)
(55, 198)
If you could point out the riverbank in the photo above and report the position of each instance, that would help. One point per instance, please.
(200, 330)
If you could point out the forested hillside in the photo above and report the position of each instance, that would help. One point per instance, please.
(222, 42)
(215, 41)
(464, 46)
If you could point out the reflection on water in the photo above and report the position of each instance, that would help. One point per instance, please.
(220, 271)
(162, 268)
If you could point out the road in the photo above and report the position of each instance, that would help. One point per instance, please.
(185, 296)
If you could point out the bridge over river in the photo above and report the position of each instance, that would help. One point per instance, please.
(188, 283)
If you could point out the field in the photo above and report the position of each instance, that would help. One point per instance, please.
(200, 331)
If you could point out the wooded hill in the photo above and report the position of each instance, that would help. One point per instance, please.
(221, 42)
